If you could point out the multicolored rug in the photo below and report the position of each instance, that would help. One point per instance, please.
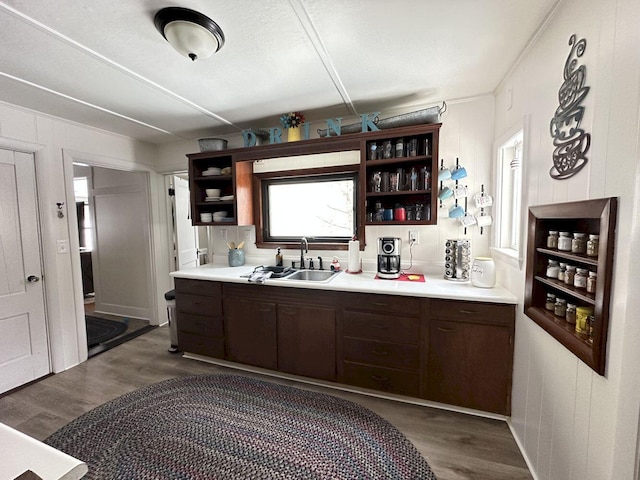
(231, 427)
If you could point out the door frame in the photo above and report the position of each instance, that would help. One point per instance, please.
(157, 244)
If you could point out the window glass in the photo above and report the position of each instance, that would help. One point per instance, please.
(317, 207)
(510, 158)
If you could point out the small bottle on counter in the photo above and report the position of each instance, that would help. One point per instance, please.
(550, 304)
(591, 282)
(571, 313)
(580, 278)
(569, 275)
(561, 273)
(564, 242)
(278, 258)
(593, 244)
(579, 243)
(560, 309)
(552, 240)
(553, 269)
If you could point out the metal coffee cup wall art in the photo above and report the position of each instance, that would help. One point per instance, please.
(570, 141)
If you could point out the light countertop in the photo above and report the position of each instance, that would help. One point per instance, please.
(365, 282)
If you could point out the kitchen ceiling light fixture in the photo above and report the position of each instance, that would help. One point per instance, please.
(191, 33)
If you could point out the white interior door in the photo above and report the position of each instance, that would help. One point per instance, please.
(186, 238)
(24, 351)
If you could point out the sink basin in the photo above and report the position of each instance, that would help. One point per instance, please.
(312, 275)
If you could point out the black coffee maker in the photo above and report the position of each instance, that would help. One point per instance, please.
(389, 257)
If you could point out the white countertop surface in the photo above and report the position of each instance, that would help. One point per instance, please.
(365, 282)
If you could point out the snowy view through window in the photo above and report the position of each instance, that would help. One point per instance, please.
(312, 209)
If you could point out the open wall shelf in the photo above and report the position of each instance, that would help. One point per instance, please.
(591, 217)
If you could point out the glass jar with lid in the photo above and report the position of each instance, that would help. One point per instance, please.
(579, 243)
(550, 304)
(552, 240)
(580, 279)
(570, 316)
(582, 314)
(591, 282)
(569, 275)
(593, 244)
(553, 269)
(562, 271)
(564, 242)
(560, 309)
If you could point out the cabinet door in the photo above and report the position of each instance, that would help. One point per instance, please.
(469, 365)
(250, 332)
(307, 341)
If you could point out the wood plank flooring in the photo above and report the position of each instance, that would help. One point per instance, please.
(457, 446)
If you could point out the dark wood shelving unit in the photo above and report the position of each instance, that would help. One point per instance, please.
(590, 216)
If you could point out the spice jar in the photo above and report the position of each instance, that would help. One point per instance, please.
(563, 269)
(591, 282)
(582, 313)
(593, 244)
(569, 275)
(552, 239)
(571, 314)
(580, 279)
(560, 308)
(399, 148)
(550, 304)
(553, 269)
(579, 243)
(564, 242)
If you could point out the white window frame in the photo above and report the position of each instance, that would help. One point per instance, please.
(509, 209)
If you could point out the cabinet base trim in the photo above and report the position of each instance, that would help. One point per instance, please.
(345, 388)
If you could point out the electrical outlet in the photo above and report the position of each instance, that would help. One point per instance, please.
(414, 237)
(247, 235)
(224, 233)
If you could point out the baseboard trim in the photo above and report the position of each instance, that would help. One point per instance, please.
(527, 460)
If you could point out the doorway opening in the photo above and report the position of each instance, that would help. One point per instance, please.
(110, 209)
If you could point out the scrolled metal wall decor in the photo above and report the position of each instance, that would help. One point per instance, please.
(570, 141)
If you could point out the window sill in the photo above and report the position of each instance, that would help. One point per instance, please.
(296, 245)
(507, 256)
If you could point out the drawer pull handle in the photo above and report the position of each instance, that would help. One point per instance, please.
(379, 379)
(381, 353)
(380, 304)
(468, 312)
(377, 325)
(264, 309)
(446, 330)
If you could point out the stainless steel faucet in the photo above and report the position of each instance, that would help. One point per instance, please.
(304, 248)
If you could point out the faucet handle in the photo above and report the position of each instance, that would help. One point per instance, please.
(311, 267)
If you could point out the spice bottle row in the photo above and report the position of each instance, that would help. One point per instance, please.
(576, 242)
(580, 316)
(577, 277)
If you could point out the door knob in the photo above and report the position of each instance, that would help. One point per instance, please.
(32, 279)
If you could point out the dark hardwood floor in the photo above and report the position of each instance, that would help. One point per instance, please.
(457, 446)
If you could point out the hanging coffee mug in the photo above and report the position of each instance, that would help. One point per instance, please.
(484, 220)
(445, 193)
(459, 173)
(444, 174)
(456, 211)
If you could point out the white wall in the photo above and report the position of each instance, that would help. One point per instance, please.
(571, 422)
(57, 143)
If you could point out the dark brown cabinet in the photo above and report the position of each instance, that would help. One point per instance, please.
(470, 355)
(199, 317)
(379, 342)
(591, 217)
(397, 171)
(281, 329)
(449, 351)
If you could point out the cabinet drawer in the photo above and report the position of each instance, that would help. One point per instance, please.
(198, 305)
(475, 312)
(384, 354)
(210, 326)
(383, 379)
(211, 347)
(386, 327)
(199, 287)
(392, 304)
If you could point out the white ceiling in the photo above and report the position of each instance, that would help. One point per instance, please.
(103, 63)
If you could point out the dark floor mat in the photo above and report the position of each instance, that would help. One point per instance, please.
(100, 330)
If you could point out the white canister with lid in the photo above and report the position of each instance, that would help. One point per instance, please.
(483, 272)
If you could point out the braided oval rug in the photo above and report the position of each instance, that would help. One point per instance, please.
(232, 427)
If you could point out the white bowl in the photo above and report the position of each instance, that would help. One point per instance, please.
(220, 214)
(212, 192)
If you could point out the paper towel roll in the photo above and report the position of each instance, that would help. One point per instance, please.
(354, 256)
